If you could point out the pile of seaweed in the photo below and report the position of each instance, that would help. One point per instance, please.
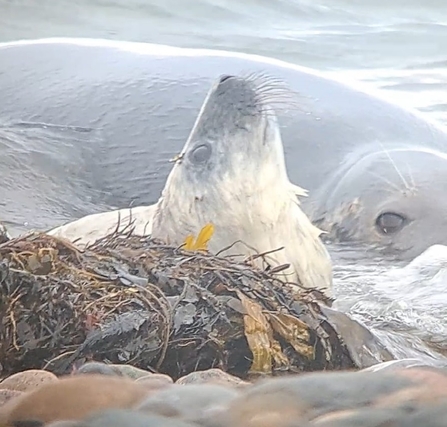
(127, 299)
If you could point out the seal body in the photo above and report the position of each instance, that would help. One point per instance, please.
(139, 103)
(90, 228)
(232, 173)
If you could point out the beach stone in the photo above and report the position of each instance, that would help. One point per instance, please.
(195, 403)
(73, 398)
(124, 418)
(155, 382)
(114, 369)
(130, 371)
(281, 402)
(428, 386)
(96, 368)
(28, 380)
(65, 423)
(214, 375)
(401, 416)
(394, 365)
(6, 395)
(154, 385)
(427, 416)
(364, 417)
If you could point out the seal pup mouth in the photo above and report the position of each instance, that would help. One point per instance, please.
(232, 173)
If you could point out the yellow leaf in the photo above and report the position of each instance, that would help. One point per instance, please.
(204, 237)
(258, 332)
(189, 243)
(295, 332)
(201, 243)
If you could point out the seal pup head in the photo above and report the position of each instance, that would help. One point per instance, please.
(232, 173)
(394, 201)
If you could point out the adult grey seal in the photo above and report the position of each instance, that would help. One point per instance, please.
(388, 198)
(140, 102)
(231, 173)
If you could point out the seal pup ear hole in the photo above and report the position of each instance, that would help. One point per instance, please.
(390, 222)
(200, 154)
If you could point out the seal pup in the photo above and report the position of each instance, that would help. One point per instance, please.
(232, 173)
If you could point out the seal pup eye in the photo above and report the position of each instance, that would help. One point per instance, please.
(390, 222)
(200, 154)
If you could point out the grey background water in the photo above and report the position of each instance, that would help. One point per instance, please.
(399, 46)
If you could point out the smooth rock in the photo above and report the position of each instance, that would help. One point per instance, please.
(6, 395)
(127, 418)
(130, 371)
(73, 398)
(28, 380)
(285, 401)
(155, 382)
(96, 368)
(214, 375)
(192, 402)
(429, 386)
(403, 416)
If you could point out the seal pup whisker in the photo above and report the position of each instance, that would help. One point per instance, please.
(273, 94)
(232, 173)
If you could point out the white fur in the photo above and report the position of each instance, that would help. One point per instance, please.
(90, 228)
(260, 208)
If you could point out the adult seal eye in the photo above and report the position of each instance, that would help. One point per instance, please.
(390, 222)
(200, 154)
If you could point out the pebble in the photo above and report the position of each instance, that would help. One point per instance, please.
(105, 395)
(155, 382)
(280, 402)
(404, 416)
(28, 380)
(6, 395)
(121, 370)
(129, 418)
(96, 368)
(192, 402)
(214, 375)
(429, 386)
(73, 398)
(131, 371)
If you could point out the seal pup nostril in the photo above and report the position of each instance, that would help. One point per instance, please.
(225, 77)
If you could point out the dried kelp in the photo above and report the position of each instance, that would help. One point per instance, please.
(135, 300)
